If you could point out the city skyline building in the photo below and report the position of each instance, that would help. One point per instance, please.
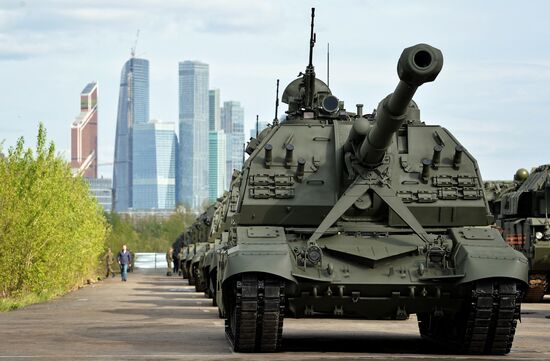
(154, 165)
(216, 164)
(232, 121)
(133, 108)
(214, 110)
(84, 134)
(101, 189)
(193, 133)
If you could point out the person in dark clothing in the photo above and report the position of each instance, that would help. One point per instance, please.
(124, 259)
(109, 260)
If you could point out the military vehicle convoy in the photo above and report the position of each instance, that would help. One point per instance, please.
(374, 216)
(197, 245)
(521, 212)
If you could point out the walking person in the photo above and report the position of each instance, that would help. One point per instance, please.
(169, 256)
(109, 260)
(124, 260)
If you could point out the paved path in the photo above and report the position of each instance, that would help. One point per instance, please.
(153, 317)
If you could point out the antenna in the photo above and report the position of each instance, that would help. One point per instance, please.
(257, 126)
(328, 65)
(309, 76)
(133, 50)
(276, 120)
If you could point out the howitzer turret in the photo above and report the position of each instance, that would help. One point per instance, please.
(417, 65)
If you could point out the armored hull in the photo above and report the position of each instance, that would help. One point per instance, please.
(367, 263)
(374, 216)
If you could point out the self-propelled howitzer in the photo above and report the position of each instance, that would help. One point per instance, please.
(521, 210)
(368, 216)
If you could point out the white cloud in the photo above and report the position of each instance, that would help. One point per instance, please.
(492, 93)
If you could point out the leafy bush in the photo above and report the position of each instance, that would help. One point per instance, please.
(146, 234)
(51, 230)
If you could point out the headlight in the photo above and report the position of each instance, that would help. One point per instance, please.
(538, 235)
(314, 254)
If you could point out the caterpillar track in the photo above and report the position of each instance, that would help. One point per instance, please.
(486, 325)
(255, 314)
(199, 284)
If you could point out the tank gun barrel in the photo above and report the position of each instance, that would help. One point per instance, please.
(417, 65)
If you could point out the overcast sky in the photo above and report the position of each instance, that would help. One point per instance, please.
(493, 92)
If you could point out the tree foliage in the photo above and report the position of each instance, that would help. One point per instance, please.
(51, 230)
(146, 234)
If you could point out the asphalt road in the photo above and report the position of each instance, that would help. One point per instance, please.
(154, 317)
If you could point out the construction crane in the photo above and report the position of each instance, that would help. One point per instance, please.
(133, 50)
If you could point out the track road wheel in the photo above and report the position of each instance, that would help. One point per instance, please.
(255, 313)
(197, 278)
(191, 279)
(485, 325)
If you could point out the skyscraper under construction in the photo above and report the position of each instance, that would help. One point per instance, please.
(133, 108)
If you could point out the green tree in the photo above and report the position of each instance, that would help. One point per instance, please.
(51, 230)
(146, 234)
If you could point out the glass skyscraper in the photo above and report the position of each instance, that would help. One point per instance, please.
(216, 164)
(232, 120)
(154, 166)
(133, 108)
(193, 134)
(214, 116)
(101, 189)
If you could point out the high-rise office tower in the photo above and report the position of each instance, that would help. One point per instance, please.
(233, 124)
(133, 108)
(84, 134)
(193, 134)
(214, 116)
(216, 147)
(154, 166)
(216, 164)
(101, 189)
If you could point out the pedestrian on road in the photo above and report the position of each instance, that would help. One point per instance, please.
(169, 256)
(133, 257)
(109, 260)
(124, 259)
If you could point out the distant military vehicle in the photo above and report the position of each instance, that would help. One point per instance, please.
(521, 210)
(203, 245)
(184, 252)
(368, 216)
(197, 247)
(209, 263)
